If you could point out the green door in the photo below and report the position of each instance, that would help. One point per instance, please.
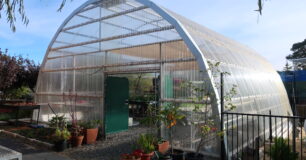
(116, 109)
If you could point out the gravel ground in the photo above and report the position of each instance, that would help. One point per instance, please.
(29, 151)
(109, 149)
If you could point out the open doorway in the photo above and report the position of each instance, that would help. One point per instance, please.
(127, 99)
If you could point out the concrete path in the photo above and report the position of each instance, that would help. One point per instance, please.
(30, 152)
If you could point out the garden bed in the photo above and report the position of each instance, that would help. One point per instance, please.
(41, 134)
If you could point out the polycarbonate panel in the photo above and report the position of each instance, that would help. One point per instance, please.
(125, 36)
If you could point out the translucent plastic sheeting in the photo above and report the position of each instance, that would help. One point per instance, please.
(104, 37)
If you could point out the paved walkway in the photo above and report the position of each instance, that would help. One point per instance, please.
(30, 152)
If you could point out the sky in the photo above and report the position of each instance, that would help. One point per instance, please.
(283, 23)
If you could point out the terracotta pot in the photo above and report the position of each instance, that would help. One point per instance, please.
(90, 135)
(77, 141)
(147, 156)
(163, 147)
(129, 157)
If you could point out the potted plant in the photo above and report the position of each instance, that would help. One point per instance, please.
(163, 146)
(130, 157)
(146, 144)
(152, 120)
(58, 122)
(77, 135)
(91, 130)
(169, 116)
(60, 139)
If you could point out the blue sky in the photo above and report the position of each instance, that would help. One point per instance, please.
(271, 35)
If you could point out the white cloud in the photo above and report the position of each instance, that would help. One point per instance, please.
(272, 34)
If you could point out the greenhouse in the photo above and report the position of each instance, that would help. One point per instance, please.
(104, 45)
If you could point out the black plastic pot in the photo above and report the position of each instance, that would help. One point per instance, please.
(60, 146)
(165, 158)
(178, 155)
(194, 156)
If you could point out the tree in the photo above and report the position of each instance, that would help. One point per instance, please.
(16, 72)
(299, 50)
(10, 7)
(9, 66)
(287, 67)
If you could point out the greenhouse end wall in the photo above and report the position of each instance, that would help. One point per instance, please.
(107, 37)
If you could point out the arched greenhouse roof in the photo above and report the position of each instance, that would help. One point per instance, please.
(112, 25)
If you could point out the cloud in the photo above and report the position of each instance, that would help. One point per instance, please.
(272, 34)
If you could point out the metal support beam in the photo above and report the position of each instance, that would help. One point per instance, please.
(79, 34)
(106, 17)
(126, 28)
(123, 64)
(139, 70)
(110, 50)
(67, 43)
(116, 37)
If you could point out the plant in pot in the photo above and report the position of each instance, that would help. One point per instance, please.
(202, 118)
(58, 122)
(60, 139)
(77, 135)
(152, 120)
(169, 116)
(146, 144)
(130, 157)
(91, 129)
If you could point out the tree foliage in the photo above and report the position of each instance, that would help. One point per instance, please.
(16, 72)
(14, 8)
(299, 50)
(9, 66)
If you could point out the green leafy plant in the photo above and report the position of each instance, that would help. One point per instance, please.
(169, 116)
(61, 135)
(200, 94)
(58, 122)
(92, 124)
(77, 130)
(281, 150)
(146, 143)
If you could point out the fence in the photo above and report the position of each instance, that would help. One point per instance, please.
(252, 136)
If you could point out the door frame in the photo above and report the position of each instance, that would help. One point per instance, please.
(106, 74)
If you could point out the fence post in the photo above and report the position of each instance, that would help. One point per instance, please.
(222, 156)
(293, 136)
(270, 126)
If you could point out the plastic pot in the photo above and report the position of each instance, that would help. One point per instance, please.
(60, 146)
(194, 156)
(178, 155)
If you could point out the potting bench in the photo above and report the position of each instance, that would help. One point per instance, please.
(17, 108)
(9, 154)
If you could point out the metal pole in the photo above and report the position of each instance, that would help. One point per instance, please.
(222, 118)
(293, 136)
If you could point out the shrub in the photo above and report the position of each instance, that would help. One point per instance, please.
(281, 150)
